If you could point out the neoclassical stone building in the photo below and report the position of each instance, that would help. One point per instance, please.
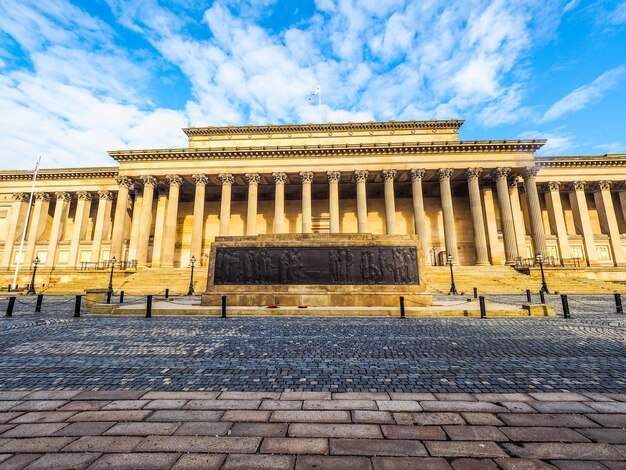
(483, 202)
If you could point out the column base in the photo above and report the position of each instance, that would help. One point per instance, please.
(482, 263)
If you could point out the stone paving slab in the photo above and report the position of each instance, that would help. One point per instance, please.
(241, 434)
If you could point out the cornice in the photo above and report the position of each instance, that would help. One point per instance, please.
(59, 173)
(581, 161)
(326, 127)
(303, 151)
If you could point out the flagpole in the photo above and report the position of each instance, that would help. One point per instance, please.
(319, 102)
(30, 202)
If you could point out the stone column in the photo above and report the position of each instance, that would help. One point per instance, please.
(279, 202)
(145, 221)
(117, 237)
(104, 215)
(333, 199)
(449, 229)
(83, 207)
(622, 199)
(253, 180)
(555, 211)
(197, 227)
(606, 210)
(227, 181)
(496, 249)
(58, 225)
(578, 202)
(171, 221)
(506, 214)
(361, 199)
(390, 201)
(158, 244)
(135, 222)
(518, 217)
(37, 225)
(16, 226)
(307, 179)
(419, 215)
(534, 211)
(478, 223)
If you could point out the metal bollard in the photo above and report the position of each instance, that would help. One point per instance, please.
(529, 297)
(565, 303)
(618, 303)
(223, 306)
(149, 307)
(167, 293)
(77, 306)
(109, 296)
(9, 289)
(122, 297)
(10, 307)
(475, 292)
(39, 302)
(401, 307)
(542, 297)
(483, 308)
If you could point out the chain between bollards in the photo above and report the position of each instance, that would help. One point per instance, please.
(39, 302)
(483, 308)
(529, 297)
(401, 307)
(10, 307)
(223, 306)
(77, 303)
(618, 303)
(149, 306)
(565, 303)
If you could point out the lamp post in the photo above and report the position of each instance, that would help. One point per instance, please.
(110, 289)
(452, 285)
(544, 286)
(193, 262)
(31, 288)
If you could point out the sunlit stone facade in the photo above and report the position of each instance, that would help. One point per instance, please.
(483, 202)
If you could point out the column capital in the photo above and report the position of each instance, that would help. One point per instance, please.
(124, 181)
(602, 185)
(444, 173)
(280, 178)
(148, 180)
(621, 186)
(84, 195)
(306, 176)
(174, 180)
(553, 186)
(105, 195)
(226, 179)
(22, 197)
(253, 178)
(513, 182)
(501, 172)
(389, 174)
(42, 197)
(63, 196)
(530, 172)
(200, 179)
(417, 174)
(361, 175)
(473, 173)
(576, 186)
(333, 176)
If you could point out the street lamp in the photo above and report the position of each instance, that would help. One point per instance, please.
(544, 286)
(31, 288)
(452, 285)
(193, 262)
(110, 289)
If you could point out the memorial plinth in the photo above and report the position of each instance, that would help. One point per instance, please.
(317, 270)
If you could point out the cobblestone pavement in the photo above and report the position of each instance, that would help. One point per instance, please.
(53, 351)
(311, 430)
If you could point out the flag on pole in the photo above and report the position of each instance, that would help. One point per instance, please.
(317, 90)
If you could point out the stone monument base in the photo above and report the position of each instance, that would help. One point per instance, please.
(317, 270)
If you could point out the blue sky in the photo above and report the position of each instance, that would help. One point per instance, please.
(78, 78)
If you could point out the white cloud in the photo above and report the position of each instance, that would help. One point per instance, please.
(558, 143)
(618, 16)
(571, 5)
(586, 94)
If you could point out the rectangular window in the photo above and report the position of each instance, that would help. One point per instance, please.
(552, 252)
(85, 256)
(577, 251)
(64, 256)
(603, 253)
(43, 256)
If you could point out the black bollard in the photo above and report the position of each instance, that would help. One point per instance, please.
(10, 307)
(122, 297)
(542, 297)
(483, 309)
(529, 297)
(167, 293)
(39, 302)
(9, 289)
(475, 293)
(565, 306)
(401, 307)
(77, 306)
(618, 303)
(223, 306)
(109, 293)
(149, 307)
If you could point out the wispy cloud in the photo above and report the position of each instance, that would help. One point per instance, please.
(586, 94)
